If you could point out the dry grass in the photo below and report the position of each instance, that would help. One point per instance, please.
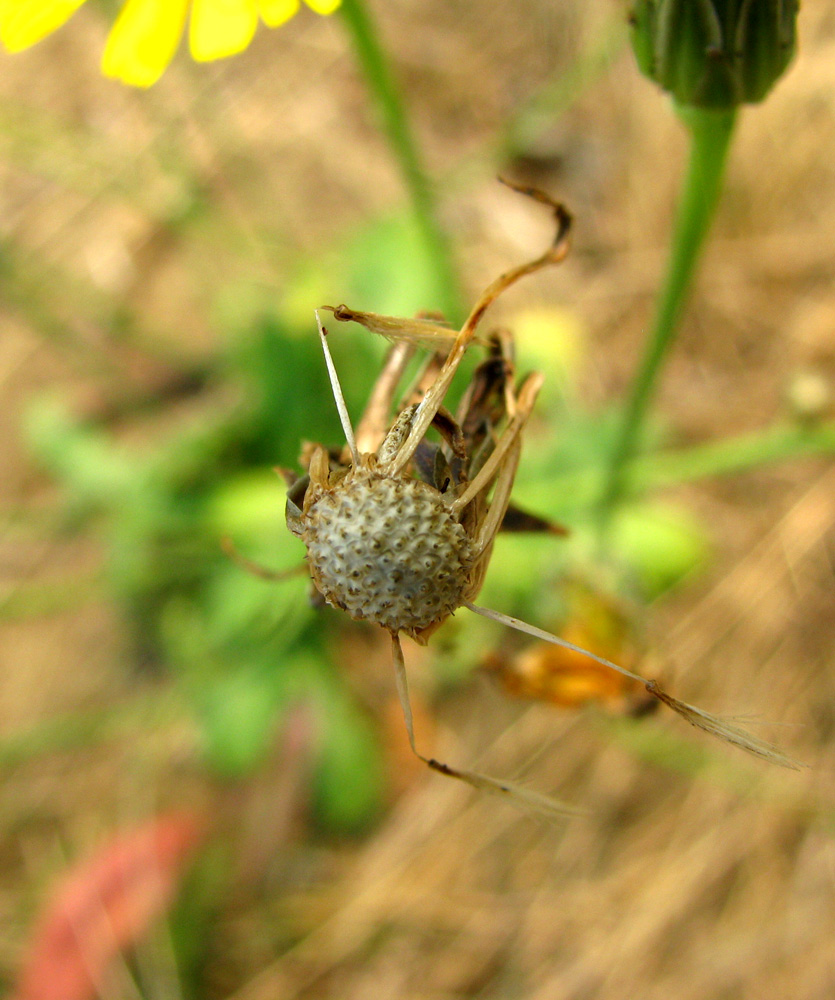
(711, 881)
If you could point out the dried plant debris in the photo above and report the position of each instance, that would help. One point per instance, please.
(400, 531)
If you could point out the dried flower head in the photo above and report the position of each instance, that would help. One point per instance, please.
(400, 531)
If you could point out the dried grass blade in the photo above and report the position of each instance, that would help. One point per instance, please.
(723, 729)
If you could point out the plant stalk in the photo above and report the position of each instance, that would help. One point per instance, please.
(710, 134)
(725, 457)
(380, 79)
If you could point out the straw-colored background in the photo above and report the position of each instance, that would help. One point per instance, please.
(715, 884)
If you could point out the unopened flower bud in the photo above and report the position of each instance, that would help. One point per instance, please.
(714, 53)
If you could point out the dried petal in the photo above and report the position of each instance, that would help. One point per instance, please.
(420, 332)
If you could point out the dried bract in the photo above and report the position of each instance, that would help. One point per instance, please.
(399, 531)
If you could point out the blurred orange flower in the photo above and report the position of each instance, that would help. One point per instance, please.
(561, 676)
(146, 34)
(567, 678)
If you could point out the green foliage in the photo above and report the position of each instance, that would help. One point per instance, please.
(238, 710)
(661, 543)
(349, 780)
(245, 652)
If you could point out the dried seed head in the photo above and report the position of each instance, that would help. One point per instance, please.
(387, 550)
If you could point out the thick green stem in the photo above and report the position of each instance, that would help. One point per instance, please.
(381, 82)
(710, 135)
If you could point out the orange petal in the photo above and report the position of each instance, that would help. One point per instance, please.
(560, 676)
(143, 40)
(220, 28)
(276, 12)
(24, 22)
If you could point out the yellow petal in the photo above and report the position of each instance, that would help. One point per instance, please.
(24, 22)
(323, 6)
(276, 12)
(221, 28)
(143, 40)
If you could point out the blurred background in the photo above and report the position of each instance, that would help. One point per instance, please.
(161, 254)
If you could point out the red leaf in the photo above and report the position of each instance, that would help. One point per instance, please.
(104, 905)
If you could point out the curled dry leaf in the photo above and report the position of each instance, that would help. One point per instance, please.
(563, 677)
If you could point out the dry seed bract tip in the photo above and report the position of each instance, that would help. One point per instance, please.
(420, 331)
(399, 530)
(543, 804)
(342, 409)
(725, 729)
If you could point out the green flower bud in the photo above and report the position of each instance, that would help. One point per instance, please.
(714, 53)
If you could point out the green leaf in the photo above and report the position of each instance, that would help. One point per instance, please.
(348, 785)
(387, 269)
(238, 714)
(661, 543)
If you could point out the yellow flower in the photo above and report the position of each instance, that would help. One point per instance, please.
(146, 34)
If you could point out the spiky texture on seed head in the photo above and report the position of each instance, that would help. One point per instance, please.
(387, 549)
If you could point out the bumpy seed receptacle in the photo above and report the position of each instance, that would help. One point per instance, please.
(387, 550)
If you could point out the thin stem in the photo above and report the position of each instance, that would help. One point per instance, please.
(536, 116)
(381, 82)
(710, 135)
(725, 457)
(733, 455)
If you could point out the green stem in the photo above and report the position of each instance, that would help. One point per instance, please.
(731, 456)
(726, 457)
(381, 82)
(710, 135)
